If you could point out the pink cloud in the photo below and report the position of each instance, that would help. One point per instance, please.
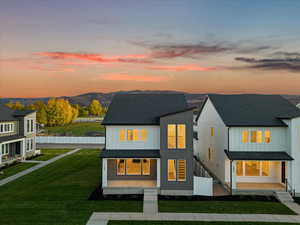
(188, 67)
(96, 57)
(135, 78)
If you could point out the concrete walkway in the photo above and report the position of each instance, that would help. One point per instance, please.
(31, 161)
(38, 166)
(104, 217)
(150, 201)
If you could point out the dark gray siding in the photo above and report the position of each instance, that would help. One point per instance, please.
(186, 154)
(112, 172)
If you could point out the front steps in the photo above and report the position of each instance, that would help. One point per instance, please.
(283, 196)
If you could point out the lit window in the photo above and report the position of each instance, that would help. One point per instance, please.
(146, 167)
(129, 135)
(144, 135)
(181, 136)
(133, 167)
(252, 168)
(265, 167)
(267, 136)
(239, 168)
(121, 167)
(171, 136)
(253, 136)
(135, 135)
(181, 170)
(122, 135)
(171, 170)
(245, 136)
(212, 131)
(259, 136)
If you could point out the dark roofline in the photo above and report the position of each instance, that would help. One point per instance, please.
(180, 111)
(200, 110)
(258, 155)
(21, 113)
(128, 124)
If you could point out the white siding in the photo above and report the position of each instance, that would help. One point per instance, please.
(279, 141)
(219, 164)
(113, 142)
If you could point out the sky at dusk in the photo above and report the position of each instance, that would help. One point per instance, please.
(56, 48)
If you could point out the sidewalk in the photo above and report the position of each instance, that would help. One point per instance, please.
(38, 166)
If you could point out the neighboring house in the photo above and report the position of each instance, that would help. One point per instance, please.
(251, 143)
(17, 135)
(149, 144)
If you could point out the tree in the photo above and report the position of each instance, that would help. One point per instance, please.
(41, 116)
(15, 105)
(95, 108)
(83, 111)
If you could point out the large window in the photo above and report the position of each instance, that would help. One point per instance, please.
(256, 136)
(252, 168)
(133, 167)
(176, 170)
(30, 125)
(133, 135)
(176, 137)
(5, 149)
(7, 127)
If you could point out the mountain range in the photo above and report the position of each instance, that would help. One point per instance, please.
(105, 98)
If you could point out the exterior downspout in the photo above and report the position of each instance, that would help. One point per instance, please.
(231, 177)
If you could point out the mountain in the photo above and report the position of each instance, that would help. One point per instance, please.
(105, 98)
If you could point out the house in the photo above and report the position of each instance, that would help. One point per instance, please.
(149, 144)
(250, 143)
(17, 135)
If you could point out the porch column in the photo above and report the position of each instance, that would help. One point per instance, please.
(289, 172)
(233, 174)
(0, 154)
(104, 172)
(23, 148)
(158, 172)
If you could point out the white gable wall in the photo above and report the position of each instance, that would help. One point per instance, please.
(210, 118)
(113, 142)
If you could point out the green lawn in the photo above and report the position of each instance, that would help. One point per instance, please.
(223, 207)
(50, 153)
(191, 223)
(16, 168)
(75, 129)
(57, 194)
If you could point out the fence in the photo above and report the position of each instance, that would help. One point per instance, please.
(88, 119)
(69, 140)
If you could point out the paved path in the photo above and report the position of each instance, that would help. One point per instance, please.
(31, 161)
(38, 166)
(97, 217)
(150, 201)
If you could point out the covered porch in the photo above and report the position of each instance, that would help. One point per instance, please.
(130, 171)
(259, 172)
(11, 151)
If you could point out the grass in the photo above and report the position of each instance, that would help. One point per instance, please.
(75, 129)
(245, 207)
(57, 194)
(15, 168)
(191, 223)
(50, 153)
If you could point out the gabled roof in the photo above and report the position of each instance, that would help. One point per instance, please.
(23, 112)
(143, 109)
(253, 110)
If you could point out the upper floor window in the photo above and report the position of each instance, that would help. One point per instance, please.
(212, 131)
(256, 136)
(133, 135)
(30, 125)
(176, 137)
(7, 127)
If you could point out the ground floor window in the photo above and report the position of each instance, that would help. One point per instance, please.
(133, 167)
(252, 168)
(176, 170)
(5, 149)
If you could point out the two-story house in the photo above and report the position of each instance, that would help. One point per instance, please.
(251, 143)
(17, 134)
(149, 144)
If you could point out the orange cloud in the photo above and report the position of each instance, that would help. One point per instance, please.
(189, 67)
(136, 78)
(96, 57)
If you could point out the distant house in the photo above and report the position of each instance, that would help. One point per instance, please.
(251, 143)
(149, 144)
(17, 134)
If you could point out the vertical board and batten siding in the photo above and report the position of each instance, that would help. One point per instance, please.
(279, 140)
(219, 163)
(113, 142)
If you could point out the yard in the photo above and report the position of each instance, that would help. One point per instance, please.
(57, 194)
(76, 129)
(247, 207)
(16, 168)
(50, 153)
(191, 223)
